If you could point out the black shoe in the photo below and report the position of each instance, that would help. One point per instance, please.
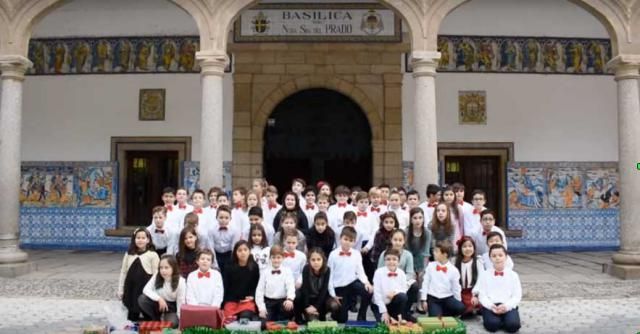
(410, 318)
(354, 308)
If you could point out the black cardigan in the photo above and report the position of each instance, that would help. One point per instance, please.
(302, 225)
(240, 282)
(306, 288)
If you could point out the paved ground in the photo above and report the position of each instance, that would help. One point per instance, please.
(563, 293)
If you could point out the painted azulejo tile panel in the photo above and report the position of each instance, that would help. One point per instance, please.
(502, 54)
(563, 205)
(68, 205)
(191, 175)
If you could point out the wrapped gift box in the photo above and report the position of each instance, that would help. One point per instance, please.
(407, 327)
(95, 330)
(146, 327)
(432, 324)
(280, 325)
(361, 324)
(249, 326)
(167, 331)
(200, 316)
(322, 324)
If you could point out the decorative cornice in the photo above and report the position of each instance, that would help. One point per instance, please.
(14, 66)
(626, 66)
(424, 63)
(212, 62)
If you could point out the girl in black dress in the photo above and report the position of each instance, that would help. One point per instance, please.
(313, 300)
(138, 265)
(188, 251)
(241, 280)
(320, 234)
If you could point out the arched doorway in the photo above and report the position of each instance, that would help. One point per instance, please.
(318, 134)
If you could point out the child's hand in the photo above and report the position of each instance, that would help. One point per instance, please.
(287, 305)
(368, 287)
(162, 305)
(298, 285)
(311, 310)
(364, 250)
(391, 294)
(263, 314)
(474, 301)
(502, 309)
(386, 318)
(424, 305)
(248, 299)
(338, 301)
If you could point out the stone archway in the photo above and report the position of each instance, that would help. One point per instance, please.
(346, 88)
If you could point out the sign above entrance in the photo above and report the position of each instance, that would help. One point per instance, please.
(354, 22)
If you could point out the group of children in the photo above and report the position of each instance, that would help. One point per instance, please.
(322, 252)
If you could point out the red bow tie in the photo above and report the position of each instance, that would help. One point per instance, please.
(223, 228)
(403, 207)
(291, 255)
(498, 273)
(272, 206)
(342, 205)
(201, 274)
(310, 206)
(383, 202)
(182, 206)
(275, 272)
(476, 211)
(375, 209)
(345, 253)
(160, 231)
(432, 205)
(442, 268)
(392, 274)
(460, 202)
(213, 206)
(238, 205)
(169, 207)
(362, 214)
(198, 211)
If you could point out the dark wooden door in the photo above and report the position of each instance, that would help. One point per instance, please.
(476, 172)
(148, 172)
(318, 134)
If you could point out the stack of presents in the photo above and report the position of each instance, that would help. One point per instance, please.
(210, 320)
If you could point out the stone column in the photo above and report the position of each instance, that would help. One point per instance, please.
(13, 261)
(212, 66)
(425, 169)
(626, 262)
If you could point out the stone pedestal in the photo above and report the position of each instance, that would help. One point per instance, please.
(13, 261)
(626, 262)
(426, 155)
(212, 66)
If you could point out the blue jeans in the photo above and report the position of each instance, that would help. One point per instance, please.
(448, 307)
(509, 321)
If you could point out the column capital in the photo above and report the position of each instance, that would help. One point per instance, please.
(626, 66)
(14, 66)
(212, 62)
(424, 63)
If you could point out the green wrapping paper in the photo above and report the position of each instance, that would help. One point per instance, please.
(315, 325)
(380, 329)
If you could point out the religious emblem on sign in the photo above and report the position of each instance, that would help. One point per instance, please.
(371, 22)
(472, 107)
(260, 23)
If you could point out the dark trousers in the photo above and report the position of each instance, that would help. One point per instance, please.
(276, 311)
(151, 310)
(349, 294)
(448, 307)
(223, 259)
(368, 264)
(509, 321)
(328, 305)
(397, 306)
(412, 296)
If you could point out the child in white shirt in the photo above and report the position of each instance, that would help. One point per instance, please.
(293, 258)
(276, 289)
(390, 290)
(495, 238)
(158, 231)
(164, 293)
(204, 286)
(441, 289)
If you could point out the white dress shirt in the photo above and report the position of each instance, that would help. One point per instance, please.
(239, 219)
(488, 265)
(165, 292)
(275, 285)
(466, 272)
(378, 211)
(336, 214)
(309, 212)
(295, 264)
(345, 269)
(504, 289)
(203, 290)
(211, 213)
(159, 237)
(367, 223)
(472, 225)
(177, 217)
(403, 217)
(223, 240)
(441, 284)
(269, 213)
(428, 211)
(384, 284)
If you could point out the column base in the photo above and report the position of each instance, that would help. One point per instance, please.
(623, 271)
(13, 270)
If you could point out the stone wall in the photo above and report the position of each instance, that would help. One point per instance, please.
(267, 73)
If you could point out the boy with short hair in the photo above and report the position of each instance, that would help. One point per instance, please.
(390, 290)
(323, 204)
(376, 207)
(495, 238)
(276, 289)
(413, 199)
(487, 225)
(472, 225)
(204, 222)
(210, 210)
(365, 220)
(204, 286)
(297, 186)
(271, 207)
(350, 219)
(441, 290)
(458, 190)
(158, 231)
(168, 198)
(385, 191)
(395, 207)
(336, 211)
(294, 259)
(347, 277)
(309, 208)
(429, 205)
(255, 217)
(222, 199)
(224, 236)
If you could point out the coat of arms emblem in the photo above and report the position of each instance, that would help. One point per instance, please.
(371, 22)
(260, 23)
